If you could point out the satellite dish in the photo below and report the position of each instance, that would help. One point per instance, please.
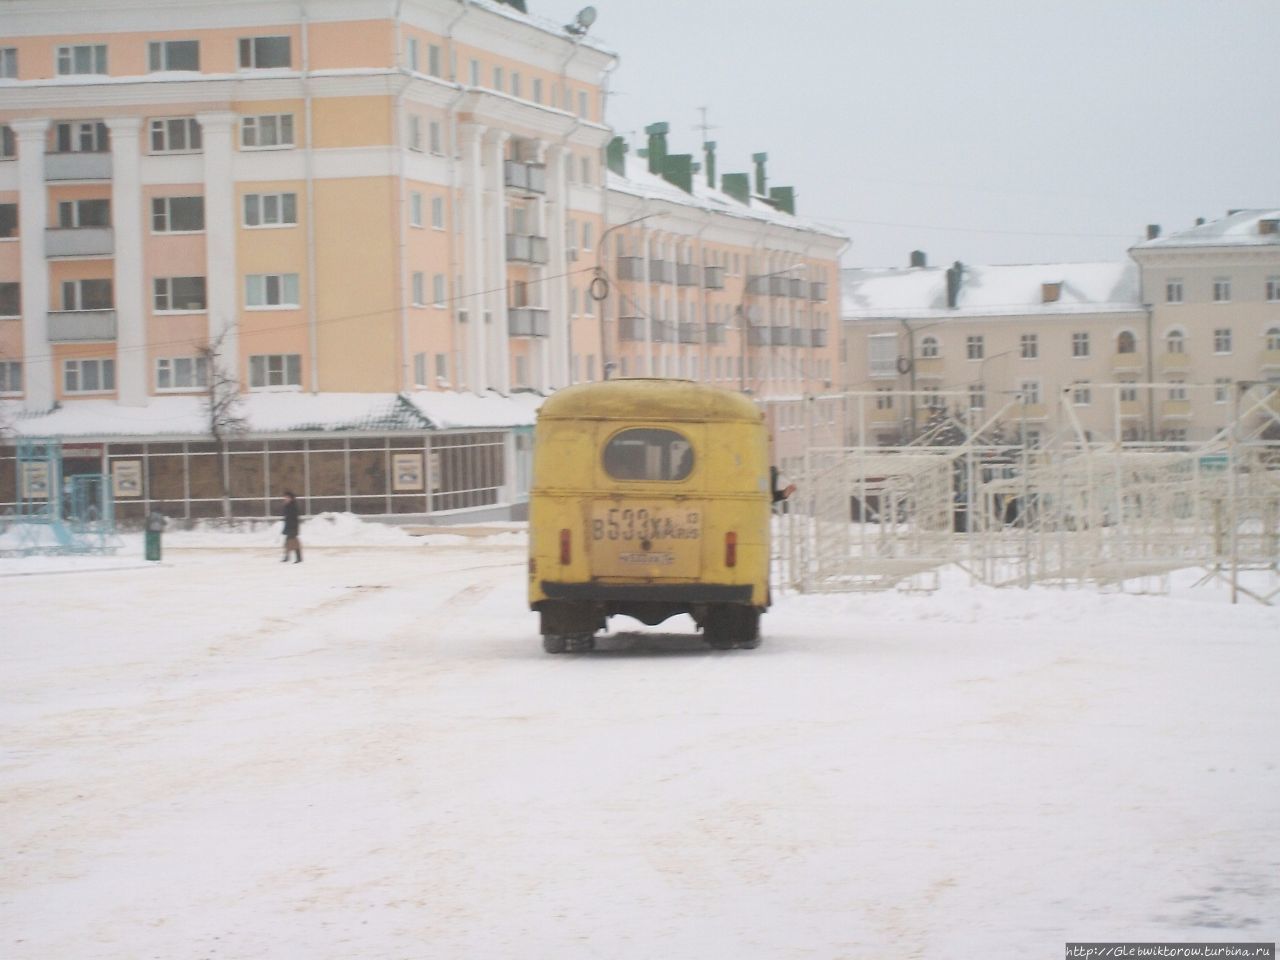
(582, 22)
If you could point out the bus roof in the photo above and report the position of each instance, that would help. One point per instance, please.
(649, 399)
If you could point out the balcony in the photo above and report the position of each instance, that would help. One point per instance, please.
(663, 331)
(1128, 362)
(778, 286)
(1175, 409)
(631, 329)
(631, 268)
(715, 333)
(79, 242)
(528, 322)
(660, 271)
(525, 177)
(522, 248)
(818, 337)
(818, 291)
(689, 333)
(77, 166)
(1174, 361)
(795, 288)
(713, 278)
(799, 337)
(81, 326)
(1271, 359)
(780, 336)
(687, 274)
(757, 336)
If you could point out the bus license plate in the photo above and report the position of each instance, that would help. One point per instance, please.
(645, 541)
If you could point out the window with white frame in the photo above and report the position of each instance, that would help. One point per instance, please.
(1175, 342)
(82, 58)
(582, 103)
(974, 346)
(1128, 392)
(263, 53)
(411, 51)
(438, 296)
(182, 373)
(1081, 393)
(1178, 390)
(537, 89)
(882, 354)
(1126, 342)
(415, 209)
(1176, 434)
(1273, 289)
(173, 55)
(977, 396)
(586, 236)
(419, 369)
(418, 281)
(522, 372)
(10, 376)
(585, 163)
(266, 130)
(1273, 338)
(1221, 289)
(73, 214)
(433, 59)
(475, 73)
(8, 143)
(270, 209)
(87, 294)
(884, 398)
(497, 78)
(172, 294)
(437, 213)
(177, 214)
(515, 83)
(10, 299)
(267, 370)
(9, 63)
(928, 348)
(1079, 345)
(1030, 391)
(175, 135)
(434, 143)
(932, 398)
(266, 290)
(81, 136)
(1221, 389)
(414, 137)
(89, 375)
(1173, 290)
(1222, 340)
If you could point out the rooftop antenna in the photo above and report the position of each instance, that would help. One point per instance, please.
(582, 22)
(704, 126)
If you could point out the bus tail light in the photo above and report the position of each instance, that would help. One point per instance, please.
(566, 547)
(731, 549)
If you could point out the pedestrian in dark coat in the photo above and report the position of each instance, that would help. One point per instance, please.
(289, 513)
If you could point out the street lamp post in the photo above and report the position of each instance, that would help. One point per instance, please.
(600, 288)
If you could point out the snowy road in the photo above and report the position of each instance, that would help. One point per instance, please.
(369, 756)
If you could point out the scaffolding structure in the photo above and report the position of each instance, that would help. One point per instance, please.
(1070, 509)
(54, 513)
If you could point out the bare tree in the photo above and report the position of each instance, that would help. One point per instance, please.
(223, 411)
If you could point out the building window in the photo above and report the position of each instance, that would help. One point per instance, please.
(182, 373)
(977, 396)
(177, 214)
(415, 209)
(179, 294)
(497, 78)
(437, 212)
(87, 295)
(411, 52)
(1273, 289)
(89, 376)
(442, 367)
(10, 376)
(1222, 340)
(1175, 342)
(582, 103)
(433, 59)
(8, 143)
(884, 398)
(261, 53)
(264, 290)
(173, 55)
(270, 209)
(10, 299)
(1173, 290)
(1128, 394)
(9, 63)
(586, 236)
(437, 290)
(268, 370)
(1221, 389)
(515, 84)
(1030, 391)
(1178, 391)
(537, 89)
(1273, 338)
(419, 369)
(73, 214)
(585, 163)
(1125, 342)
(1079, 344)
(414, 137)
(433, 138)
(267, 130)
(1222, 290)
(419, 280)
(932, 398)
(475, 73)
(81, 136)
(1176, 434)
(1081, 393)
(84, 58)
(974, 347)
(928, 348)
(175, 135)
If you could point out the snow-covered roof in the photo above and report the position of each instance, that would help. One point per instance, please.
(639, 182)
(1241, 228)
(986, 290)
(285, 413)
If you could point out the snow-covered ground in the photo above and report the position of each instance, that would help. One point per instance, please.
(368, 755)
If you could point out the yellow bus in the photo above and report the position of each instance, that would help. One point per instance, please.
(650, 498)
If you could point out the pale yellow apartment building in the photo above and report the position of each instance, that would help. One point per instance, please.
(1156, 348)
(374, 210)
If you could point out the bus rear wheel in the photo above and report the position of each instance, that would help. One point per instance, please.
(731, 626)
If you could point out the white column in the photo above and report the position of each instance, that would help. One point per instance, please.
(222, 283)
(473, 272)
(129, 283)
(559, 346)
(33, 206)
(499, 354)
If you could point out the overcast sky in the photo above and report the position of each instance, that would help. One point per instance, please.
(987, 131)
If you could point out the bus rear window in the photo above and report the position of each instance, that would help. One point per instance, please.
(648, 454)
